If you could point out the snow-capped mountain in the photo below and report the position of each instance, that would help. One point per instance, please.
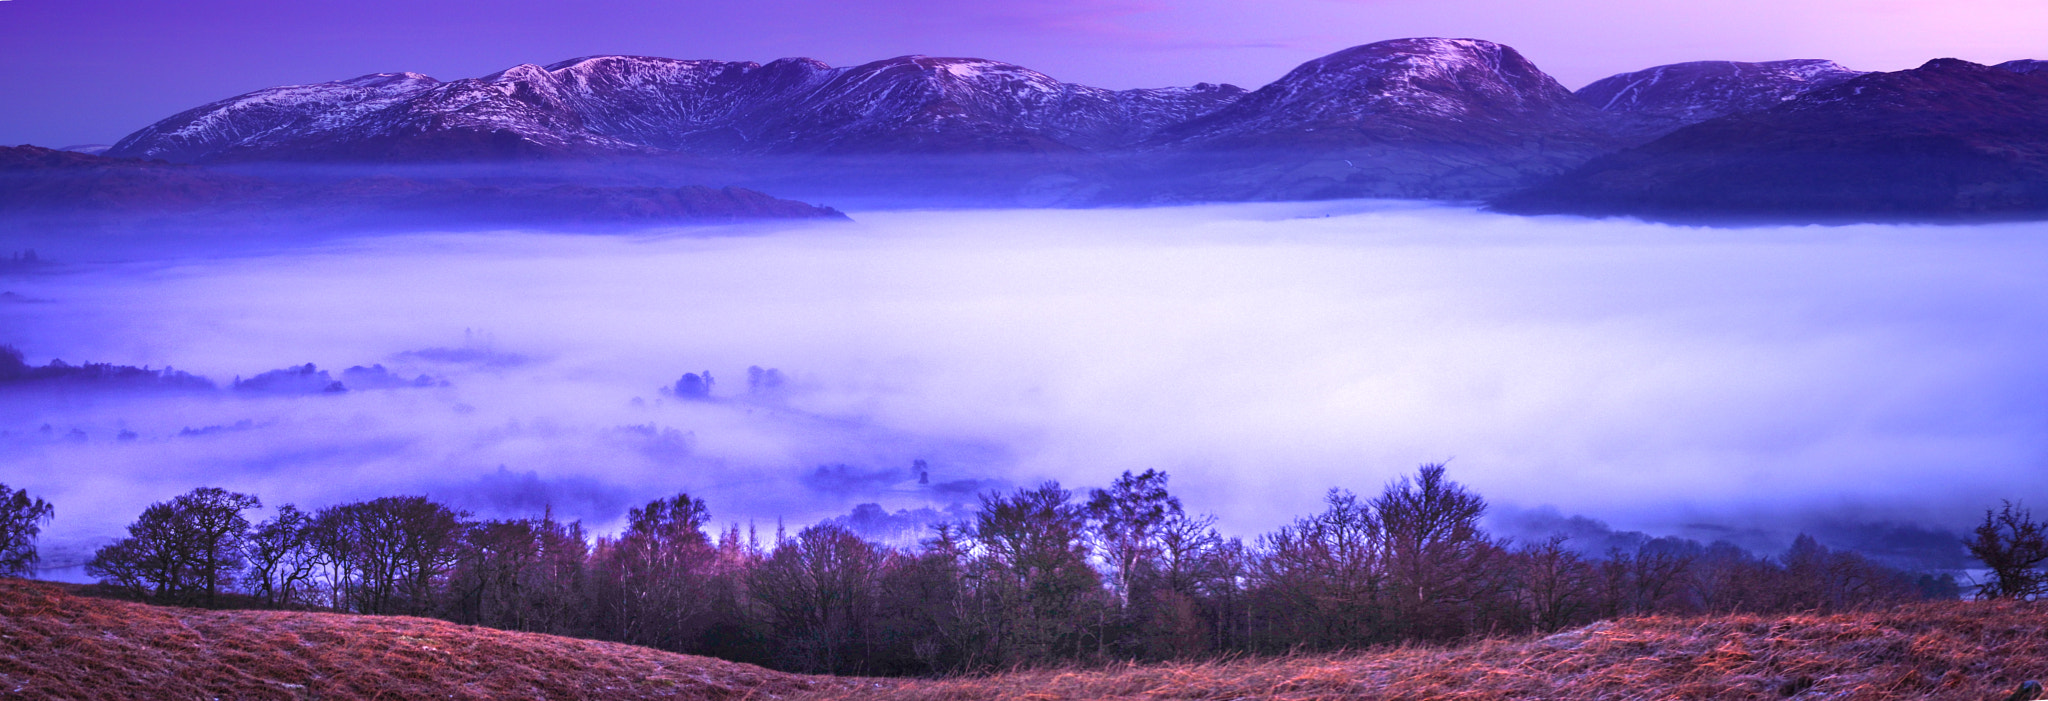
(1423, 117)
(1414, 90)
(1434, 118)
(641, 105)
(1687, 93)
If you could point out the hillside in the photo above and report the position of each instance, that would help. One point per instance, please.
(62, 189)
(1946, 141)
(54, 644)
(1974, 651)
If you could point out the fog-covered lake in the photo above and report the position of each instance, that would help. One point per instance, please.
(1666, 378)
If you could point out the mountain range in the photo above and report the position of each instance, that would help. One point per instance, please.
(1460, 119)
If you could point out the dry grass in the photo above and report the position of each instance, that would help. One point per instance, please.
(1975, 651)
(56, 645)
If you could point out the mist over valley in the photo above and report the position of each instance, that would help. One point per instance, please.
(1857, 382)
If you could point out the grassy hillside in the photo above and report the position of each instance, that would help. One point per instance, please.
(1976, 651)
(54, 644)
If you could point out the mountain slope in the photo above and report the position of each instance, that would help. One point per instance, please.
(2025, 65)
(1425, 117)
(66, 189)
(1448, 118)
(1678, 94)
(1948, 140)
(637, 106)
(1416, 90)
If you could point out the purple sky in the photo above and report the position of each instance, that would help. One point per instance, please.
(90, 71)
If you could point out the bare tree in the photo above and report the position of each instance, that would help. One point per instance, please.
(21, 520)
(1556, 585)
(821, 593)
(1436, 553)
(1043, 596)
(1319, 582)
(282, 560)
(1128, 516)
(388, 555)
(187, 550)
(2013, 545)
(651, 584)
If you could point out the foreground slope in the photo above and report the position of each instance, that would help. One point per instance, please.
(55, 645)
(1974, 651)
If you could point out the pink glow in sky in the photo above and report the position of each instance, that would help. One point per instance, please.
(84, 71)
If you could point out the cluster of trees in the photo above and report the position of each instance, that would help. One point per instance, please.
(21, 520)
(1038, 575)
(16, 372)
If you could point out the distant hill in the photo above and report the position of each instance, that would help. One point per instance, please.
(57, 644)
(65, 188)
(1950, 140)
(1416, 118)
(1675, 95)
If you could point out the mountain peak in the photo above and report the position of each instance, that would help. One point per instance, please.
(1464, 63)
(1950, 64)
(1421, 89)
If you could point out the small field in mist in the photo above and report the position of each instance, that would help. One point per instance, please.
(1720, 383)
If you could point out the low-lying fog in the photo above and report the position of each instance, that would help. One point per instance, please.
(1676, 380)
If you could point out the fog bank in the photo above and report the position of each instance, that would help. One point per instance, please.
(1666, 379)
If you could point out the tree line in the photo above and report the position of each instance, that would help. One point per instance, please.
(1038, 575)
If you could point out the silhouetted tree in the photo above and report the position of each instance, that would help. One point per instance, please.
(2013, 545)
(1724, 578)
(388, 555)
(21, 520)
(821, 591)
(1042, 596)
(651, 584)
(1128, 516)
(1437, 557)
(1318, 582)
(281, 557)
(187, 550)
(1555, 585)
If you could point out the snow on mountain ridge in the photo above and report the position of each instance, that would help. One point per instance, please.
(1700, 90)
(1400, 89)
(633, 104)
